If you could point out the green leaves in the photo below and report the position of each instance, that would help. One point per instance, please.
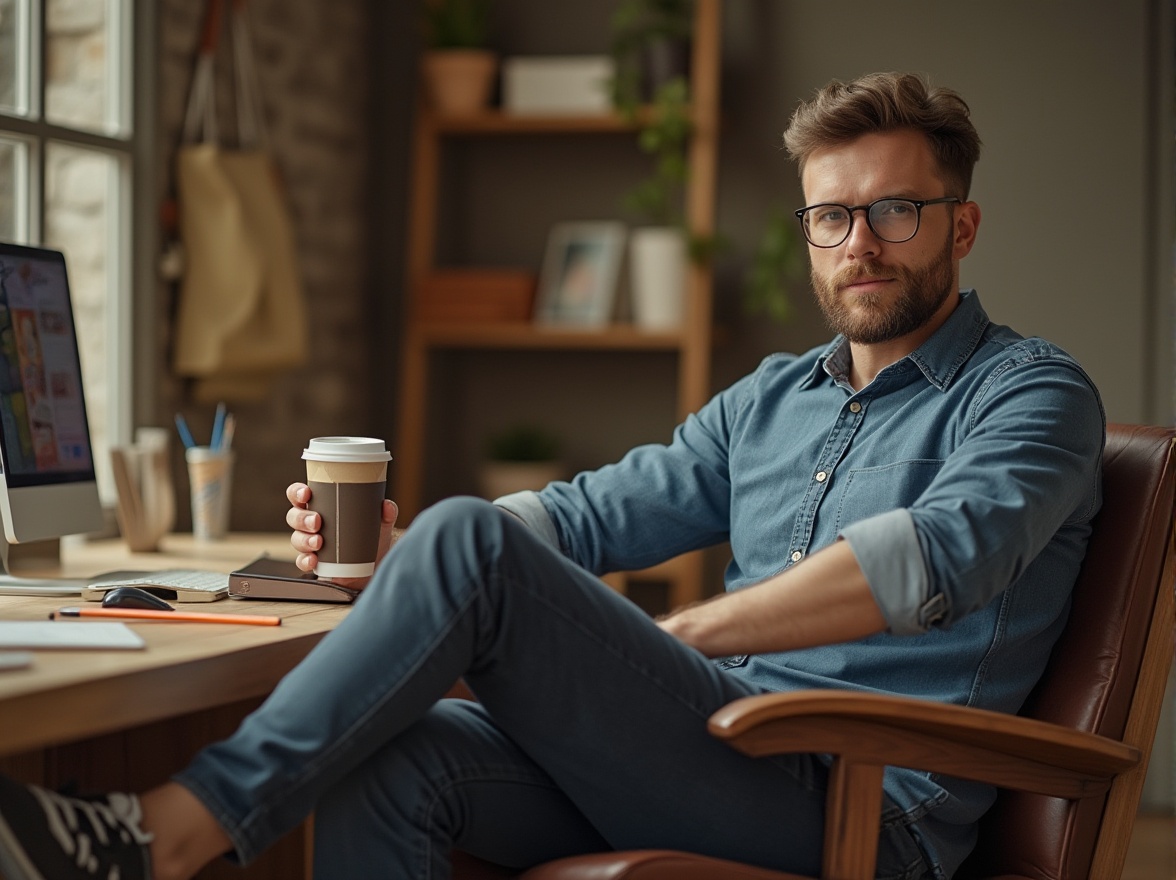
(457, 24)
(665, 136)
(523, 443)
(778, 264)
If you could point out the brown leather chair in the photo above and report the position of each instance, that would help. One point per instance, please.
(1070, 767)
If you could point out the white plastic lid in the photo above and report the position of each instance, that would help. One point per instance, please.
(346, 449)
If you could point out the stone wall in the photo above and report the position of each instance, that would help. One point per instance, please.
(312, 62)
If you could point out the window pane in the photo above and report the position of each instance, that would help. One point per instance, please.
(13, 186)
(13, 18)
(82, 220)
(83, 71)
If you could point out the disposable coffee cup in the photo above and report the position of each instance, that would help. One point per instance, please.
(348, 477)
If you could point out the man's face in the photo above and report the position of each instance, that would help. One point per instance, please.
(870, 290)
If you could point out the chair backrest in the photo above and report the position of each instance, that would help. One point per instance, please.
(1107, 674)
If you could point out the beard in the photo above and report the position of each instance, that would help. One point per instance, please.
(871, 318)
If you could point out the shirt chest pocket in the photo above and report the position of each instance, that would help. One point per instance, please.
(870, 491)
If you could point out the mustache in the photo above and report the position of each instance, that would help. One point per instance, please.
(863, 272)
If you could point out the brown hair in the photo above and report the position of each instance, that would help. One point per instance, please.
(881, 102)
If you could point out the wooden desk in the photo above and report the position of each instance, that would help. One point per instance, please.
(128, 719)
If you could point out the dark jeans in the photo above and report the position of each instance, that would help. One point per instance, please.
(590, 731)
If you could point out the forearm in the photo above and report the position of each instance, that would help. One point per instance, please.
(820, 601)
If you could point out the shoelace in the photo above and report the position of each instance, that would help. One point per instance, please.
(119, 816)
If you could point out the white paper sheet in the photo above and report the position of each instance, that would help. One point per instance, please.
(68, 634)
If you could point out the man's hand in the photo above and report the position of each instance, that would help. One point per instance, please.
(307, 540)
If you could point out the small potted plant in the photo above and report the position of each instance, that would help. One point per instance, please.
(650, 47)
(521, 457)
(658, 250)
(458, 68)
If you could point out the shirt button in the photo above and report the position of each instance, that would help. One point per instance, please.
(855, 407)
(796, 554)
(821, 475)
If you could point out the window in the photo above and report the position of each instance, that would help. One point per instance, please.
(66, 149)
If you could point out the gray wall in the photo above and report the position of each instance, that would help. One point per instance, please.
(1064, 96)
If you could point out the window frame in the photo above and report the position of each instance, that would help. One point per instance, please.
(130, 344)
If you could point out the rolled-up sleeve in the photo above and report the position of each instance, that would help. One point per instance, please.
(887, 550)
(1024, 479)
(527, 507)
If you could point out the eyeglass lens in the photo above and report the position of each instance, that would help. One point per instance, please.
(892, 220)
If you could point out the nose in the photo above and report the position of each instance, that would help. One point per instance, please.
(861, 243)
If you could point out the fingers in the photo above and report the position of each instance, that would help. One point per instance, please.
(389, 512)
(298, 494)
(302, 520)
(305, 523)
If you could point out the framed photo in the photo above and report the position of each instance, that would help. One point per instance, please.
(578, 282)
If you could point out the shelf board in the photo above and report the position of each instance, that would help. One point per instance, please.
(495, 121)
(614, 337)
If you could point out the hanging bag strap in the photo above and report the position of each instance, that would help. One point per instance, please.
(251, 128)
(200, 124)
(200, 116)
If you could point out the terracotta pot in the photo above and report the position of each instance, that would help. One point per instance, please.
(459, 81)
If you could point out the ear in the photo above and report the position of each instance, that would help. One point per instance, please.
(967, 221)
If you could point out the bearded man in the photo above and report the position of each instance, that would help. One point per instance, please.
(907, 509)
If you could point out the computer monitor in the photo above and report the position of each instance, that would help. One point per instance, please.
(47, 484)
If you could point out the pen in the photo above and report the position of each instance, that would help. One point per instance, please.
(178, 616)
(230, 429)
(218, 427)
(185, 434)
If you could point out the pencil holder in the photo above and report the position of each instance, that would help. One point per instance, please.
(210, 476)
(146, 495)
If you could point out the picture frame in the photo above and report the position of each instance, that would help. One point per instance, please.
(581, 268)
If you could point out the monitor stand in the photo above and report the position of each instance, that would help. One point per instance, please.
(11, 585)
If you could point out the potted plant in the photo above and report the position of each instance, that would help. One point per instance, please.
(650, 47)
(658, 250)
(521, 457)
(458, 68)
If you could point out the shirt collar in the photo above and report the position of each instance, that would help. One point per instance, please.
(939, 358)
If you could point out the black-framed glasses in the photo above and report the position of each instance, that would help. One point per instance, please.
(894, 220)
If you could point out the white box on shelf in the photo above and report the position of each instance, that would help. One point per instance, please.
(557, 84)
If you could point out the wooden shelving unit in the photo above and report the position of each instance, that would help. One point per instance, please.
(691, 344)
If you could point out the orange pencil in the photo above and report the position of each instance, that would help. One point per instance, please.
(177, 616)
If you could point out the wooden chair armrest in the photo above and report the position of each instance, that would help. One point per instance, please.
(991, 747)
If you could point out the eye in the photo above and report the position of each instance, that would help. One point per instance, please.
(828, 214)
(894, 208)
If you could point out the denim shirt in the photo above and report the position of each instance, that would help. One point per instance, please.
(964, 478)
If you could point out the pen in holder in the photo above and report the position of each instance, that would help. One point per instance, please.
(146, 497)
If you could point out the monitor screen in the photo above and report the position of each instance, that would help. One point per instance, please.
(44, 434)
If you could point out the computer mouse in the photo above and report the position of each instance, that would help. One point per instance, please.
(134, 597)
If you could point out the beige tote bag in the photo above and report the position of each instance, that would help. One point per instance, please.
(241, 318)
